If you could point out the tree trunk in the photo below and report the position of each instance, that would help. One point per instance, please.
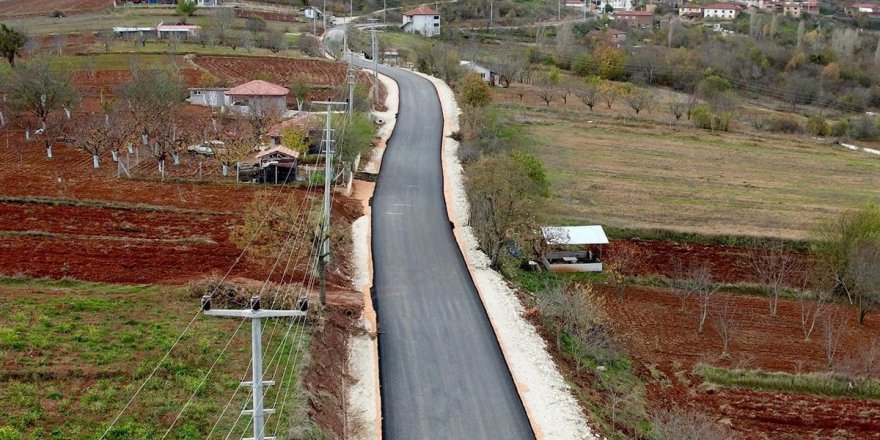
(176, 157)
(225, 170)
(95, 162)
(115, 156)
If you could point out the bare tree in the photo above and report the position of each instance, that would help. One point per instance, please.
(300, 90)
(262, 114)
(774, 266)
(237, 141)
(590, 94)
(547, 92)
(58, 44)
(676, 109)
(276, 41)
(687, 424)
(509, 63)
(639, 99)
(609, 93)
(106, 37)
(864, 272)
(153, 98)
(700, 282)
(812, 308)
(833, 329)
(99, 133)
(222, 22)
(622, 262)
(726, 324)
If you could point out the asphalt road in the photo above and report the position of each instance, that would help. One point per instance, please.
(442, 372)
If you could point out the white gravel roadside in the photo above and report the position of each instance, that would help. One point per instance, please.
(553, 410)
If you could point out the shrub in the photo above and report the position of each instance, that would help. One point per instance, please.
(840, 128)
(784, 124)
(701, 116)
(818, 126)
(864, 128)
(583, 65)
(8, 433)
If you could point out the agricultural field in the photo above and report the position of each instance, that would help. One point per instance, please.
(18, 8)
(608, 168)
(74, 352)
(662, 339)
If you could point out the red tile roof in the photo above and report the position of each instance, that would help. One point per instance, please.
(422, 10)
(258, 88)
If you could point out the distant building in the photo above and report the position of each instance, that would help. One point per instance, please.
(600, 6)
(723, 11)
(608, 35)
(690, 10)
(312, 13)
(869, 9)
(200, 3)
(209, 96)
(182, 31)
(491, 78)
(422, 20)
(639, 18)
(305, 122)
(259, 96)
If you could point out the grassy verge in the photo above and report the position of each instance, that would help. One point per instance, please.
(813, 383)
(694, 237)
(74, 352)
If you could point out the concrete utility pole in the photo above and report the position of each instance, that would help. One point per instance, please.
(491, 12)
(384, 9)
(375, 45)
(328, 186)
(257, 383)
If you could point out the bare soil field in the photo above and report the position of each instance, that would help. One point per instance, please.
(318, 73)
(656, 333)
(26, 8)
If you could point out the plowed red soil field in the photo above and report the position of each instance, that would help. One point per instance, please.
(23, 8)
(60, 217)
(655, 331)
(318, 73)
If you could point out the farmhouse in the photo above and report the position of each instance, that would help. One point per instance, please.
(259, 96)
(560, 239)
(422, 20)
(690, 10)
(312, 13)
(723, 11)
(135, 31)
(601, 6)
(608, 35)
(491, 78)
(638, 18)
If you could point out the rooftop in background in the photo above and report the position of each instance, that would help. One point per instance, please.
(282, 150)
(422, 10)
(634, 13)
(258, 88)
(300, 121)
(724, 6)
(593, 234)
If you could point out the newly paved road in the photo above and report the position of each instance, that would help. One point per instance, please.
(441, 369)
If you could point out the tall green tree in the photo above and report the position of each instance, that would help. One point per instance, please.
(473, 91)
(187, 7)
(11, 42)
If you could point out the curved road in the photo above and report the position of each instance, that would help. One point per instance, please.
(442, 372)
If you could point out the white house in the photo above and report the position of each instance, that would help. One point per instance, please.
(690, 10)
(312, 13)
(422, 20)
(208, 3)
(209, 96)
(723, 11)
(600, 6)
(489, 76)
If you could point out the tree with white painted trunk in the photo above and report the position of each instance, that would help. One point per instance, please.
(774, 267)
(101, 133)
(237, 141)
(704, 288)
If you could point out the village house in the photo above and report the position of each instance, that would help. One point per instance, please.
(422, 20)
(868, 9)
(491, 78)
(723, 11)
(690, 11)
(209, 96)
(601, 6)
(259, 96)
(608, 35)
(312, 13)
(637, 18)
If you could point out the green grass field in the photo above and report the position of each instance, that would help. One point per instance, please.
(630, 173)
(74, 353)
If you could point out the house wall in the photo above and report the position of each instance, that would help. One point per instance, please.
(427, 25)
(720, 13)
(246, 104)
(209, 98)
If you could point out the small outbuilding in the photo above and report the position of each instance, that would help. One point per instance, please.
(278, 165)
(573, 248)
